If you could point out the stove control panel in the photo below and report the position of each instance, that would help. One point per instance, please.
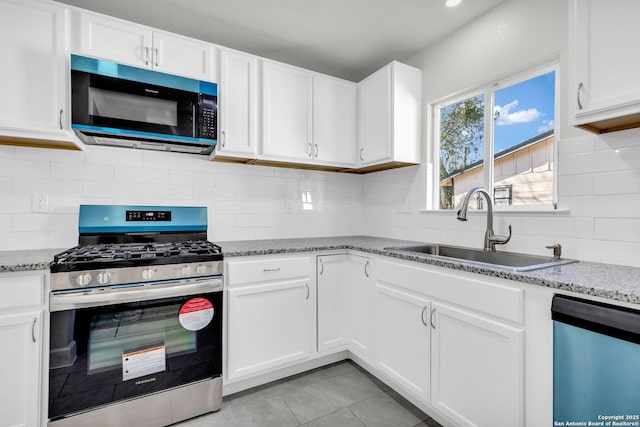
(131, 275)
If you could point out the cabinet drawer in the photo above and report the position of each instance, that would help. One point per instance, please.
(249, 271)
(485, 294)
(18, 291)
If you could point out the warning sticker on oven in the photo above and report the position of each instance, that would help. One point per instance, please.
(196, 314)
(139, 363)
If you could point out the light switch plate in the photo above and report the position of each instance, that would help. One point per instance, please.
(39, 202)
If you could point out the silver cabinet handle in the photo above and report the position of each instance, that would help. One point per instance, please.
(316, 155)
(224, 138)
(271, 270)
(366, 269)
(308, 291)
(321, 267)
(310, 152)
(580, 86)
(60, 117)
(424, 322)
(156, 55)
(431, 318)
(146, 55)
(361, 150)
(33, 329)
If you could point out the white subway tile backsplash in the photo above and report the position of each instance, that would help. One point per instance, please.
(166, 191)
(575, 185)
(618, 229)
(15, 204)
(101, 155)
(48, 186)
(6, 184)
(44, 223)
(18, 168)
(600, 161)
(51, 155)
(581, 144)
(6, 223)
(623, 182)
(81, 172)
(616, 140)
(7, 151)
(112, 189)
(162, 160)
(191, 177)
(136, 174)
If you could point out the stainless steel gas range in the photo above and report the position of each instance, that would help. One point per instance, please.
(136, 319)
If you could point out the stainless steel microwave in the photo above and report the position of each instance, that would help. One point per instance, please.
(119, 105)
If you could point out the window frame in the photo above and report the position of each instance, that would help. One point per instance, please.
(488, 93)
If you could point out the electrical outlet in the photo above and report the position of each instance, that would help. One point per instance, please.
(40, 202)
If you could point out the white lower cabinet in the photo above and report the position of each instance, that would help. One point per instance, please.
(401, 337)
(271, 315)
(476, 369)
(344, 304)
(21, 318)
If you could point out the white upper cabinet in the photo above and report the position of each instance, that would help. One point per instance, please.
(238, 104)
(390, 116)
(604, 69)
(334, 121)
(286, 112)
(307, 117)
(34, 90)
(139, 46)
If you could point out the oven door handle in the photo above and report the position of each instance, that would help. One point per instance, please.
(86, 299)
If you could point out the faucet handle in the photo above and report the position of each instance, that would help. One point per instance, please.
(557, 250)
(502, 240)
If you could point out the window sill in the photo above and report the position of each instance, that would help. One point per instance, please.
(503, 212)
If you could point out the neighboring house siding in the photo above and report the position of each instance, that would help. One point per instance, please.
(529, 172)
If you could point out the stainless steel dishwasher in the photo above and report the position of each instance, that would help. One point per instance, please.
(596, 363)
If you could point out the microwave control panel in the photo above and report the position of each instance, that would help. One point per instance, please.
(208, 117)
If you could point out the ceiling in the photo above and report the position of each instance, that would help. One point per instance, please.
(344, 38)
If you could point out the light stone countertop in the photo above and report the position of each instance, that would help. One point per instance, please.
(609, 281)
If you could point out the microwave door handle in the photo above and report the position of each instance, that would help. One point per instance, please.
(194, 108)
(67, 301)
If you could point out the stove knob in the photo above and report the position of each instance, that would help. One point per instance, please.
(83, 279)
(147, 273)
(103, 278)
(186, 270)
(201, 269)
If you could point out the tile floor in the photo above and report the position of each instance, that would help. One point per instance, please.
(339, 395)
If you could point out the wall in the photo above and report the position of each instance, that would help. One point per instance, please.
(598, 176)
(244, 202)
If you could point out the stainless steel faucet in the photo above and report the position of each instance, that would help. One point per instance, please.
(490, 239)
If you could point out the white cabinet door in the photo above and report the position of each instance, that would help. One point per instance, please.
(270, 325)
(139, 46)
(390, 116)
(360, 288)
(116, 40)
(375, 117)
(477, 369)
(33, 75)
(606, 74)
(334, 300)
(237, 104)
(334, 121)
(20, 335)
(286, 112)
(175, 54)
(401, 338)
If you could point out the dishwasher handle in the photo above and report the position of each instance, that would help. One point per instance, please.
(615, 321)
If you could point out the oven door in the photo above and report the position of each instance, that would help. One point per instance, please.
(116, 344)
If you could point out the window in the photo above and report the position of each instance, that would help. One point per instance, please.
(500, 137)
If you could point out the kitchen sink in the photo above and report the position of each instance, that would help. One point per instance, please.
(508, 260)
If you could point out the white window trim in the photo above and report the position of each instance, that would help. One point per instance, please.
(488, 90)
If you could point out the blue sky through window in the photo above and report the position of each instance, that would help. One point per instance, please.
(523, 111)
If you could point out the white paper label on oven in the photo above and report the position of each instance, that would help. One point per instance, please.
(139, 363)
(196, 314)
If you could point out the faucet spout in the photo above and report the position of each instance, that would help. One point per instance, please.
(490, 238)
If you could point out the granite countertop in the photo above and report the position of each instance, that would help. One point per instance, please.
(609, 281)
(35, 259)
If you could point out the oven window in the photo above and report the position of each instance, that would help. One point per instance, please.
(126, 106)
(139, 338)
(101, 355)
